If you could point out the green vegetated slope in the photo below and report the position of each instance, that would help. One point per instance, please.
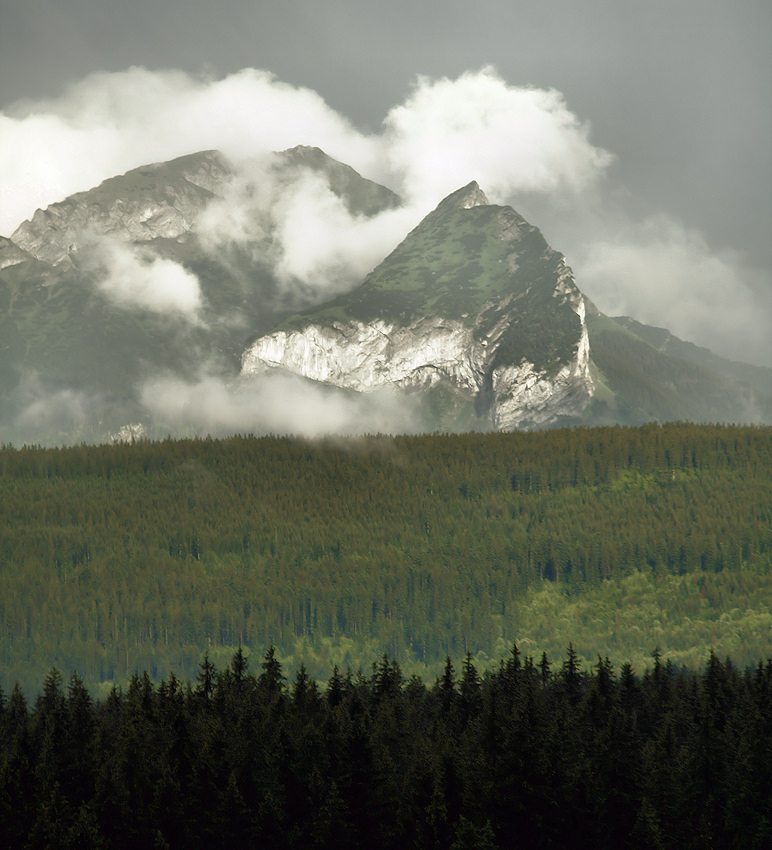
(116, 558)
(757, 378)
(641, 382)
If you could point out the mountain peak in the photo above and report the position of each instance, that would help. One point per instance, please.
(465, 198)
(11, 254)
(361, 196)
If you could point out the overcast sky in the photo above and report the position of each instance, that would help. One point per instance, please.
(675, 95)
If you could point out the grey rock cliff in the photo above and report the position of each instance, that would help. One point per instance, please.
(155, 201)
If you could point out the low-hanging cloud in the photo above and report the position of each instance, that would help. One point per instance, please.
(132, 278)
(660, 272)
(44, 413)
(275, 403)
(295, 223)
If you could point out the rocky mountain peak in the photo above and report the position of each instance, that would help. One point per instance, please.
(460, 307)
(361, 196)
(465, 198)
(156, 200)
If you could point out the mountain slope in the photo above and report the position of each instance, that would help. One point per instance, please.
(473, 300)
(62, 329)
(640, 382)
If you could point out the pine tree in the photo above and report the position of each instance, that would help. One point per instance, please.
(207, 676)
(239, 665)
(470, 690)
(271, 680)
(447, 686)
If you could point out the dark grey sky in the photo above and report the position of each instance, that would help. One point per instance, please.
(679, 90)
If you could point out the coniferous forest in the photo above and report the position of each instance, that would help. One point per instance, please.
(117, 559)
(647, 552)
(529, 755)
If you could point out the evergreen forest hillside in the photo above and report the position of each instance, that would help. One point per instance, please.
(116, 559)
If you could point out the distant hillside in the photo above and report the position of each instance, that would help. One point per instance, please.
(619, 540)
(646, 373)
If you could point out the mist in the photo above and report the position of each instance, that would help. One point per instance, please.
(292, 221)
(275, 403)
(38, 413)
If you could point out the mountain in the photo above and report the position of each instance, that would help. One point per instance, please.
(755, 378)
(475, 312)
(473, 302)
(63, 334)
(173, 269)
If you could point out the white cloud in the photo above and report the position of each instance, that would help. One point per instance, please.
(510, 139)
(133, 279)
(445, 134)
(274, 404)
(662, 273)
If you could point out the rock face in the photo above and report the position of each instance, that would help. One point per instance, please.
(474, 299)
(526, 397)
(11, 254)
(155, 201)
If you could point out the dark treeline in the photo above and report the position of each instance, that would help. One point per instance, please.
(530, 755)
(124, 557)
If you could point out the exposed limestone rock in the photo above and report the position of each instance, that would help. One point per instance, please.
(131, 433)
(368, 356)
